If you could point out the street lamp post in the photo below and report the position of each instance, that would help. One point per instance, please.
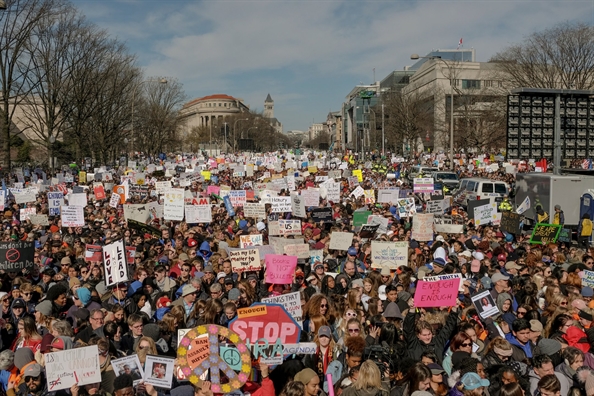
(225, 126)
(383, 137)
(235, 129)
(415, 57)
(161, 81)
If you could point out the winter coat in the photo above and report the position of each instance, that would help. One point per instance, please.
(437, 344)
(383, 391)
(565, 384)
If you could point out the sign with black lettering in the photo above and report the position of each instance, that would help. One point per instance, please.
(321, 214)
(510, 222)
(474, 204)
(545, 233)
(15, 256)
(368, 230)
(114, 263)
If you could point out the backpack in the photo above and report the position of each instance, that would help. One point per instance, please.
(586, 227)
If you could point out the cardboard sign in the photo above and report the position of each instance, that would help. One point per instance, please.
(73, 216)
(245, 260)
(289, 227)
(510, 222)
(341, 240)
(199, 351)
(73, 366)
(442, 293)
(292, 304)
(173, 204)
(280, 204)
(55, 201)
(422, 229)
(545, 233)
(387, 195)
(300, 250)
(449, 228)
(389, 254)
(280, 269)
(369, 196)
(255, 210)
(485, 214)
(26, 213)
(114, 263)
(321, 214)
(17, 255)
(39, 219)
(484, 304)
(99, 192)
(250, 240)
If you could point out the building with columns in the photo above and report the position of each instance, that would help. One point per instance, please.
(212, 109)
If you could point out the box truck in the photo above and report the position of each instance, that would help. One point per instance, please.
(548, 190)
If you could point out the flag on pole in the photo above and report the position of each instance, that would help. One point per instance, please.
(459, 43)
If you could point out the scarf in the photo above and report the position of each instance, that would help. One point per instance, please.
(323, 360)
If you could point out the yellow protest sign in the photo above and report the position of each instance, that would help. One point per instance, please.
(312, 169)
(359, 174)
(205, 174)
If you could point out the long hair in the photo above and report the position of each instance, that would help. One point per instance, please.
(29, 328)
(313, 306)
(415, 375)
(293, 388)
(458, 340)
(369, 376)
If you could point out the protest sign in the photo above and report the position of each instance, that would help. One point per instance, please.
(389, 254)
(137, 212)
(245, 260)
(358, 192)
(238, 197)
(73, 366)
(55, 201)
(422, 229)
(436, 278)
(406, 207)
(24, 196)
(279, 244)
(565, 235)
(360, 218)
(435, 207)
(73, 216)
(280, 269)
(545, 233)
(99, 191)
(292, 304)
(301, 250)
(369, 196)
(510, 222)
(17, 255)
(341, 240)
(128, 365)
(250, 240)
(387, 195)
(78, 199)
(442, 293)
(114, 263)
(280, 204)
(114, 200)
(25, 213)
(485, 214)
(39, 219)
(449, 228)
(524, 206)
(173, 204)
(162, 186)
(311, 197)
(193, 213)
(321, 214)
(2, 199)
(588, 278)
(255, 210)
(298, 206)
(484, 304)
(289, 227)
(381, 221)
(423, 184)
(475, 203)
(368, 230)
(316, 256)
(332, 192)
(144, 228)
(158, 371)
(358, 174)
(93, 253)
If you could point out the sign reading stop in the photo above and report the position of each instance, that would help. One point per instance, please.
(271, 324)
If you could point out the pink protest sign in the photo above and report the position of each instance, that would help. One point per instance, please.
(441, 293)
(280, 269)
(213, 190)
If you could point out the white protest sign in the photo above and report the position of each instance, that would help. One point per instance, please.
(524, 206)
(158, 371)
(238, 197)
(78, 199)
(341, 240)
(298, 206)
(311, 196)
(245, 260)
(114, 263)
(290, 182)
(55, 201)
(423, 184)
(114, 200)
(24, 196)
(449, 228)
(39, 219)
(136, 212)
(280, 204)
(72, 366)
(357, 192)
(27, 212)
(73, 216)
(289, 227)
(388, 195)
(300, 250)
(173, 204)
(389, 254)
(2, 199)
(254, 210)
(250, 240)
(485, 214)
(291, 302)
(332, 191)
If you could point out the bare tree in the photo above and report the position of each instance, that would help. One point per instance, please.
(17, 39)
(560, 57)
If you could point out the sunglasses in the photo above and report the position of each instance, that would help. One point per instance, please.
(26, 294)
(354, 330)
(466, 345)
(522, 312)
(28, 379)
(323, 305)
(141, 347)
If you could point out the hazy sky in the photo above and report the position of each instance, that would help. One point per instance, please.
(309, 54)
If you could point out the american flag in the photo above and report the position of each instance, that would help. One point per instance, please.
(460, 43)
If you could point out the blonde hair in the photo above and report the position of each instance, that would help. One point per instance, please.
(369, 376)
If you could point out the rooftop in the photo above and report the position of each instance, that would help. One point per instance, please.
(211, 97)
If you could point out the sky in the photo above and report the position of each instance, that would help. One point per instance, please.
(309, 54)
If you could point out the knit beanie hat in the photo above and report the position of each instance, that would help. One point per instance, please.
(84, 295)
(305, 375)
(22, 356)
(549, 346)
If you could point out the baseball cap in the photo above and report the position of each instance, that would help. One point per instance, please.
(188, 289)
(472, 381)
(466, 253)
(535, 325)
(439, 261)
(33, 370)
(357, 283)
(512, 265)
(435, 368)
(352, 251)
(439, 238)
(192, 242)
(498, 276)
(501, 257)
(324, 331)
(58, 343)
(478, 255)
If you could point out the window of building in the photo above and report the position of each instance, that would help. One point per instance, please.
(471, 84)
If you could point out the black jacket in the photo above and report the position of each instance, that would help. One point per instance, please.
(437, 345)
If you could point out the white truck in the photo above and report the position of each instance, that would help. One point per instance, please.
(548, 190)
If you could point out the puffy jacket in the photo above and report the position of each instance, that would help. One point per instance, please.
(204, 251)
(437, 344)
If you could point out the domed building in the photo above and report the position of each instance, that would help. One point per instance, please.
(211, 109)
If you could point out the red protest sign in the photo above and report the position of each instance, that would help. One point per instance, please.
(99, 192)
(93, 253)
(280, 269)
(441, 293)
(270, 324)
(130, 252)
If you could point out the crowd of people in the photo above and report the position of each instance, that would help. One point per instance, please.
(370, 337)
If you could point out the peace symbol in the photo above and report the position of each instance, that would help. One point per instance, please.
(192, 370)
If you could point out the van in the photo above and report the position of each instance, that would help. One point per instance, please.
(477, 188)
(417, 169)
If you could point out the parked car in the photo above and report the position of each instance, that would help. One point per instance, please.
(478, 188)
(449, 179)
